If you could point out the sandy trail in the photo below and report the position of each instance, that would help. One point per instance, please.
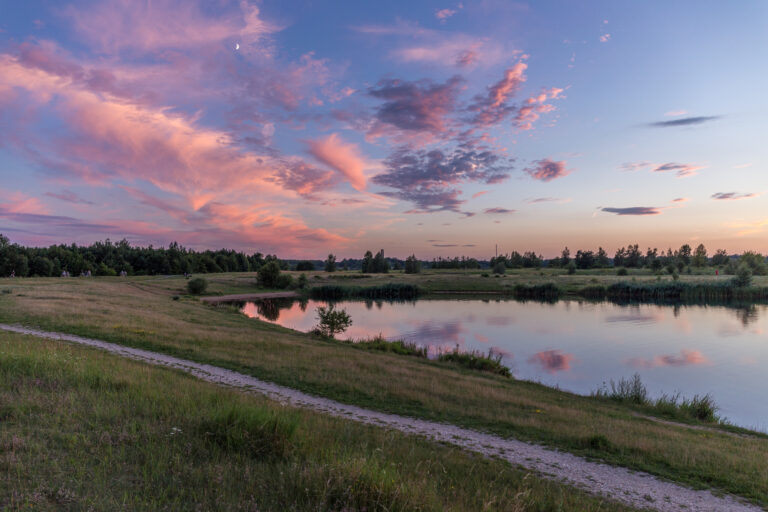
(632, 488)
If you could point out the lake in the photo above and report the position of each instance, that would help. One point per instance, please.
(580, 345)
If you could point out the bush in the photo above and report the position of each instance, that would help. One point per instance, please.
(301, 282)
(500, 268)
(332, 321)
(631, 391)
(621, 272)
(399, 347)
(197, 286)
(283, 281)
(743, 275)
(571, 268)
(268, 274)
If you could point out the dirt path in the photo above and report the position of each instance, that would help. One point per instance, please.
(632, 488)
(250, 296)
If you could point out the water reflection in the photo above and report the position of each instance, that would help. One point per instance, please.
(577, 345)
(552, 361)
(684, 358)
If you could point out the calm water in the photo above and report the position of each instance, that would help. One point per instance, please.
(580, 345)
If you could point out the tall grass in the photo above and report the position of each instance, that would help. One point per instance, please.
(389, 291)
(400, 347)
(633, 391)
(476, 360)
(674, 292)
(544, 291)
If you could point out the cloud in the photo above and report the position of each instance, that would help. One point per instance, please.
(445, 245)
(634, 210)
(341, 156)
(547, 200)
(166, 24)
(69, 197)
(547, 170)
(605, 38)
(478, 194)
(675, 113)
(498, 211)
(493, 106)
(428, 178)
(305, 179)
(685, 121)
(680, 200)
(634, 166)
(552, 361)
(685, 358)
(444, 14)
(731, 196)
(421, 106)
(682, 170)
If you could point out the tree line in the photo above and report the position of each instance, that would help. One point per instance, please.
(110, 259)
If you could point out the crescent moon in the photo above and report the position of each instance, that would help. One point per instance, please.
(237, 46)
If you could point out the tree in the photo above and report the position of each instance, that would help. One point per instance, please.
(412, 265)
(700, 256)
(269, 274)
(684, 254)
(367, 264)
(41, 266)
(330, 263)
(332, 321)
(602, 258)
(380, 264)
(305, 265)
(301, 282)
(720, 258)
(499, 268)
(565, 258)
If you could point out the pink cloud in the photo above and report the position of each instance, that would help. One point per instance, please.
(605, 38)
(478, 194)
(552, 361)
(682, 170)
(547, 170)
(673, 113)
(680, 200)
(685, 358)
(341, 156)
(166, 24)
(444, 14)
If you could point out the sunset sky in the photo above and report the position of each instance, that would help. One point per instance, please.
(434, 128)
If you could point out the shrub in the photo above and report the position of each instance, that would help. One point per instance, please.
(332, 321)
(301, 282)
(500, 268)
(400, 347)
(743, 275)
(284, 281)
(621, 272)
(268, 274)
(702, 408)
(197, 286)
(305, 265)
(571, 268)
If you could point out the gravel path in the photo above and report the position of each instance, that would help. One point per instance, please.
(632, 488)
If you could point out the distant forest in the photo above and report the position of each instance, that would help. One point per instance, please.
(110, 259)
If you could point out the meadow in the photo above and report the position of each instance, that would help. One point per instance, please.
(142, 312)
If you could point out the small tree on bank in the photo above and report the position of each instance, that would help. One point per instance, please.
(412, 265)
(332, 321)
(330, 263)
(269, 275)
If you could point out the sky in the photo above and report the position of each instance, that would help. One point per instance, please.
(431, 128)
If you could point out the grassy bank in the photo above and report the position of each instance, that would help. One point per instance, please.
(84, 430)
(387, 291)
(141, 313)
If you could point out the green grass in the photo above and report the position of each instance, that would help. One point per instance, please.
(475, 360)
(86, 430)
(141, 313)
(387, 291)
(398, 347)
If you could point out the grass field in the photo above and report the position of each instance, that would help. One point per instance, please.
(141, 312)
(84, 430)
